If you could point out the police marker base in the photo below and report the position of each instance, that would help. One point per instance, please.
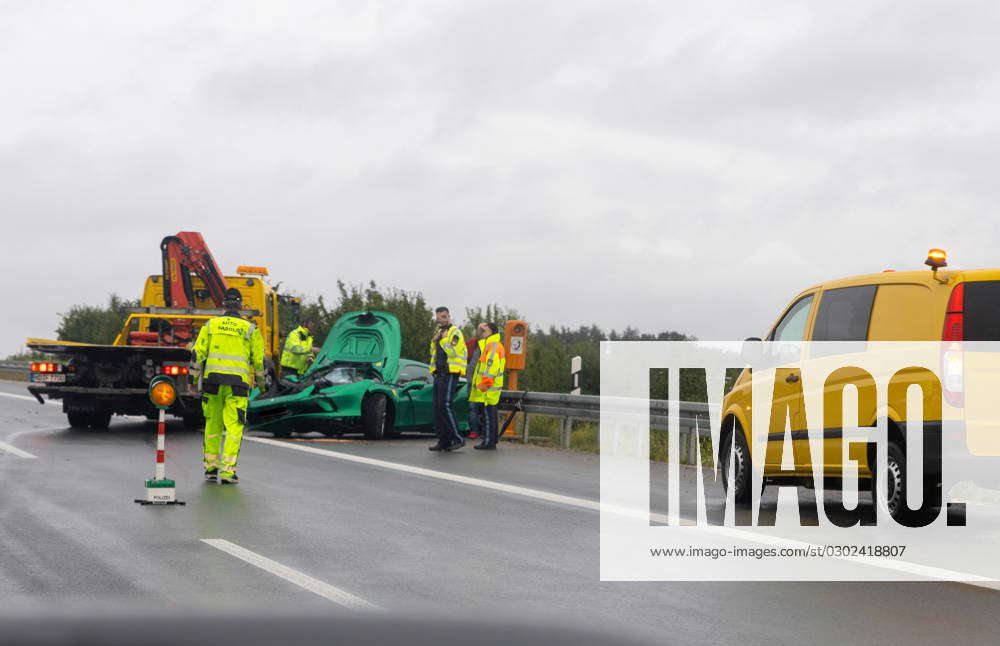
(160, 492)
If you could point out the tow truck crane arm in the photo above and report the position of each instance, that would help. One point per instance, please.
(184, 253)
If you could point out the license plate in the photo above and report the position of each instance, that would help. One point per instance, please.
(51, 379)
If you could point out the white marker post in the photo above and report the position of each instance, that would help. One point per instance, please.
(576, 364)
(160, 490)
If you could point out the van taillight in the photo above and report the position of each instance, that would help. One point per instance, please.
(954, 317)
(952, 371)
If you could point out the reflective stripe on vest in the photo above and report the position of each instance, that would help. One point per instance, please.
(491, 365)
(457, 354)
(226, 344)
(229, 370)
(298, 349)
(228, 357)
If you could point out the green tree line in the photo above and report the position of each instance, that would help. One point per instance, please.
(549, 350)
(94, 323)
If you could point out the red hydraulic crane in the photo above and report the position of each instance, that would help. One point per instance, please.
(184, 254)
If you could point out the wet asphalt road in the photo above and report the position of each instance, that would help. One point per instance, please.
(71, 537)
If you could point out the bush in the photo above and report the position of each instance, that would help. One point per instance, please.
(92, 324)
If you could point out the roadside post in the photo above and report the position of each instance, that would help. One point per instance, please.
(159, 489)
(575, 365)
(515, 337)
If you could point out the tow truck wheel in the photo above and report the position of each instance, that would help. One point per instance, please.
(193, 422)
(100, 421)
(78, 419)
(374, 416)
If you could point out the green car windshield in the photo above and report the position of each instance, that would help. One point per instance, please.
(339, 375)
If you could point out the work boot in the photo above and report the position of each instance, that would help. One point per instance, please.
(211, 474)
(482, 445)
(436, 447)
(456, 445)
(230, 479)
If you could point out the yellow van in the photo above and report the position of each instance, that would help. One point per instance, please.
(936, 305)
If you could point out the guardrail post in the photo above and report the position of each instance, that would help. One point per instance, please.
(567, 431)
(694, 443)
(524, 428)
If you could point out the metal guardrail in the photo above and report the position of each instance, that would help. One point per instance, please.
(693, 416)
(16, 371)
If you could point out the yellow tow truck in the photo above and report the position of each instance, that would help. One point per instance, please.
(95, 382)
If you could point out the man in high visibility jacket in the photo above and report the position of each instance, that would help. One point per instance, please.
(448, 359)
(299, 349)
(487, 382)
(228, 359)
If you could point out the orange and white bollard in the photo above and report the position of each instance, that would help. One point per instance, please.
(160, 490)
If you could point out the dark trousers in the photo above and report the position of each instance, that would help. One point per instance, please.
(476, 411)
(491, 425)
(444, 417)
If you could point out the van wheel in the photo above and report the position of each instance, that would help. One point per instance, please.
(742, 467)
(896, 468)
(374, 416)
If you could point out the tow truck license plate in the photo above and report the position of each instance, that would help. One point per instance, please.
(57, 378)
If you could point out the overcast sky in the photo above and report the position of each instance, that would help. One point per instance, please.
(666, 165)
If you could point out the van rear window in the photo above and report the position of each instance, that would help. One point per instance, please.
(982, 310)
(844, 314)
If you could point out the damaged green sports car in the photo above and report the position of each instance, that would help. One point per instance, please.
(357, 384)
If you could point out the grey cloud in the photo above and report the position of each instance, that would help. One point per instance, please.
(664, 165)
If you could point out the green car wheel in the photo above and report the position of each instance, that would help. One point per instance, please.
(375, 416)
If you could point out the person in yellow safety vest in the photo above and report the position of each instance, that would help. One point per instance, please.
(228, 359)
(448, 359)
(299, 349)
(487, 382)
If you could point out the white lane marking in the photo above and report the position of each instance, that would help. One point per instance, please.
(32, 431)
(440, 475)
(13, 450)
(325, 590)
(31, 399)
(902, 566)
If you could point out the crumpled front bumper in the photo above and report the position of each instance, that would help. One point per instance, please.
(324, 412)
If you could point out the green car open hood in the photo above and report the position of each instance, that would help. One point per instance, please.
(363, 337)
